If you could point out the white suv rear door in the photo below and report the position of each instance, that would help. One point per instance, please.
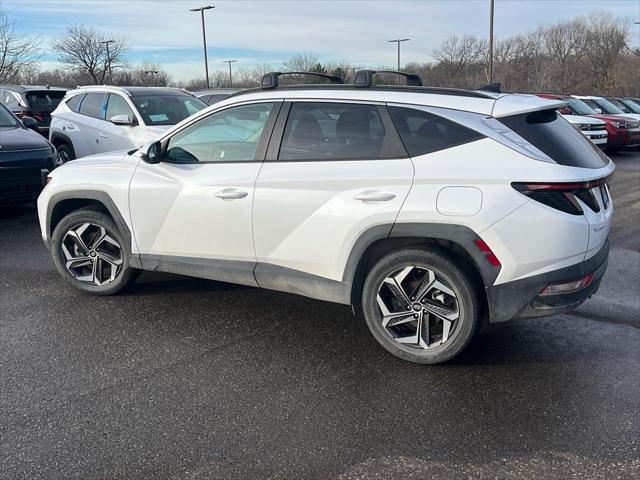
(333, 170)
(191, 212)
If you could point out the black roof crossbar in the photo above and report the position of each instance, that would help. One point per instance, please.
(364, 78)
(492, 87)
(270, 80)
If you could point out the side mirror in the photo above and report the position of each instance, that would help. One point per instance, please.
(30, 122)
(121, 120)
(598, 110)
(151, 152)
(565, 111)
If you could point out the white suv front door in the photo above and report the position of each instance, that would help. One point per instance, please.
(113, 137)
(191, 213)
(340, 169)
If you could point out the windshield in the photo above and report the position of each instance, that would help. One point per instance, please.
(581, 108)
(608, 107)
(632, 107)
(166, 109)
(7, 119)
(45, 100)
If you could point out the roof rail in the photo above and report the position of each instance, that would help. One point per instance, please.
(270, 80)
(492, 87)
(364, 78)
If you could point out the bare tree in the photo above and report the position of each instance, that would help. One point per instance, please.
(147, 74)
(565, 45)
(84, 49)
(607, 39)
(18, 53)
(460, 60)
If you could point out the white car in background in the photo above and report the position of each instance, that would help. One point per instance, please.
(99, 119)
(603, 106)
(576, 112)
(592, 128)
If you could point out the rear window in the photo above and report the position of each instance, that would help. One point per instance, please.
(45, 100)
(555, 136)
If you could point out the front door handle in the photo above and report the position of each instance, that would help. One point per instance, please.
(231, 194)
(103, 135)
(375, 196)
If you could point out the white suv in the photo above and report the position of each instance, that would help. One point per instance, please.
(433, 210)
(100, 119)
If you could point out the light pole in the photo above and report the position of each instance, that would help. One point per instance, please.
(152, 73)
(491, 42)
(107, 42)
(399, 41)
(204, 37)
(230, 77)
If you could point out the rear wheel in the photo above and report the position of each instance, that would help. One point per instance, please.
(421, 305)
(65, 153)
(89, 252)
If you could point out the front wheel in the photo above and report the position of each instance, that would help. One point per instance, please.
(421, 305)
(89, 252)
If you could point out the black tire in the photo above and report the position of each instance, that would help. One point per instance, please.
(125, 273)
(66, 152)
(446, 268)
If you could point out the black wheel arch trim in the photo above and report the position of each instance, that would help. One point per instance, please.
(107, 202)
(61, 136)
(461, 235)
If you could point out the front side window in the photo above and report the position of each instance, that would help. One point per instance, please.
(424, 132)
(337, 131)
(92, 105)
(231, 135)
(556, 137)
(116, 105)
(166, 109)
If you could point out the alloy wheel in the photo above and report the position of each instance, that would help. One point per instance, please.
(419, 308)
(91, 255)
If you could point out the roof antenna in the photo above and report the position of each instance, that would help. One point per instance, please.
(492, 87)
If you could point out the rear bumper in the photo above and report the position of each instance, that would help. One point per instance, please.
(521, 298)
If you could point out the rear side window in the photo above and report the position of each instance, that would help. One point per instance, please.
(424, 132)
(92, 105)
(74, 102)
(555, 136)
(338, 131)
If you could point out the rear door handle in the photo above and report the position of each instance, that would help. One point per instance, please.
(375, 196)
(231, 194)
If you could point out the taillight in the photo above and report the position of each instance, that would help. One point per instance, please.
(569, 287)
(489, 255)
(562, 196)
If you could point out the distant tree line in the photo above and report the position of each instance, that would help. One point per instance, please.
(585, 55)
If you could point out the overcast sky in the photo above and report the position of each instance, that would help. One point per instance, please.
(264, 31)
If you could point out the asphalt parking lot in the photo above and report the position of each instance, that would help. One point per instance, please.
(182, 378)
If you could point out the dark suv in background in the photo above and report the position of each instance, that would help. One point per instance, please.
(32, 101)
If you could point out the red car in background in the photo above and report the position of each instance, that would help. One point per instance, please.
(623, 132)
